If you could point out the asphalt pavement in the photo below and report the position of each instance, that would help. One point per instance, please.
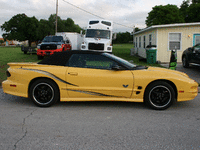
(97, 126)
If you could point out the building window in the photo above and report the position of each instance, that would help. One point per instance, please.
(136, 42)
(174, 41)
(144, 41)
(140, 41)
(150, 39)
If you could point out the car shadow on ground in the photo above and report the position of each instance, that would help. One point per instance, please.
(15, 101)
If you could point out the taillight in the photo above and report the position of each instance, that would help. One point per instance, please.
(8, 73)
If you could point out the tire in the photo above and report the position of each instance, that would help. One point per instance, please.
(185, 62)
(25, 52)
(159, 95)
(40, 57)
(44, 92)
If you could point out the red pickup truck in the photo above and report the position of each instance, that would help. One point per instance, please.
(51, 45)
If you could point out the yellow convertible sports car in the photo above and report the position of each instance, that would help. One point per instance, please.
(96, 76)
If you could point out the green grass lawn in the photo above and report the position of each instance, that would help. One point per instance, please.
(14, 54)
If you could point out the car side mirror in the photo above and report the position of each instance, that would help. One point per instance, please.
(116, 67)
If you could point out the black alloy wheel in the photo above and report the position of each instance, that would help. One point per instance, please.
(44, 93)
(159, 95)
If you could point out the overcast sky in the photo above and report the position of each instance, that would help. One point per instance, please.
(126, 12)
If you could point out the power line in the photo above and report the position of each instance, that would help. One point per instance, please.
(82, 9)
(94, 14)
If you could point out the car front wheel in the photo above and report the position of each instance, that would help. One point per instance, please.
(44, 92)
(159, 95)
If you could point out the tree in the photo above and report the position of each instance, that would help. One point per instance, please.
(21, 28)
(183, 9)
(167, 14)
(193, 13)
(44, 29)
(195, 1)
(137, 29)
(1, 41)
(123, 38)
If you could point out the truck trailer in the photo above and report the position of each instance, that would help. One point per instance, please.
(75, 39)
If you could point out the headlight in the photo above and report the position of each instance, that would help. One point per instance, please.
(109, 48)
(83, 46)
(38, 47)
(59, 46)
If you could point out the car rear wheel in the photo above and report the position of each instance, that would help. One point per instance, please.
(185, 62)
(159, 95)
(44, 92)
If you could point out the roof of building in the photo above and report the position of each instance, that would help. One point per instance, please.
(167, 26)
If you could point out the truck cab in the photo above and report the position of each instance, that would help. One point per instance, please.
(51, 45)
(98, 36)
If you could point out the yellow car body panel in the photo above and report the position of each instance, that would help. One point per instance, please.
(83, 84)
(96, 83)
(186, 88)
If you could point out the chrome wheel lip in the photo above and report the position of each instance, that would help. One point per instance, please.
(168, 101)
(38, 101)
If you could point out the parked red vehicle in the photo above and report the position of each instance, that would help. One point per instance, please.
(51, 45)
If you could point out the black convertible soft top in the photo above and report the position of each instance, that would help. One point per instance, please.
(61, 58)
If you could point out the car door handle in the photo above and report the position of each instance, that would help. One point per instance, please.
(73, 73)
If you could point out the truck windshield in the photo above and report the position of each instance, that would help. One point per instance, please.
(53, 39)
(96, 33)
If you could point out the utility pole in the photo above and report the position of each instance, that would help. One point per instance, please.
(56, 16)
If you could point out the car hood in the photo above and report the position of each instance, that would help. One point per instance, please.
(165, 70)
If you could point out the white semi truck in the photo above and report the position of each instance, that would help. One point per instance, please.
(98, 36)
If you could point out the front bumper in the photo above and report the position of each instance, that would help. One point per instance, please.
(47, 52)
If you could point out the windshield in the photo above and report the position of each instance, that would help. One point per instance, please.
(96, 33)
(53, 39)
(120, 60)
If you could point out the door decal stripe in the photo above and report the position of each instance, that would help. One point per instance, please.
(93, 93)
(49, 74)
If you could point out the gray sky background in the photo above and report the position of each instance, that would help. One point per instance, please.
(126, 12)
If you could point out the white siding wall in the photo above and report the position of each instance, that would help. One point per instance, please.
(160, 37)
(187, 32)
(140, 46)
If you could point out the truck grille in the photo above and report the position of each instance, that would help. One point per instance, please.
(48, 47)
(94, 46)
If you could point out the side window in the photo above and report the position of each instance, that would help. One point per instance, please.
(140, 41)
(90, 61)
(144, 41)
(174, 41)
(136, 44)
(150, 39)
